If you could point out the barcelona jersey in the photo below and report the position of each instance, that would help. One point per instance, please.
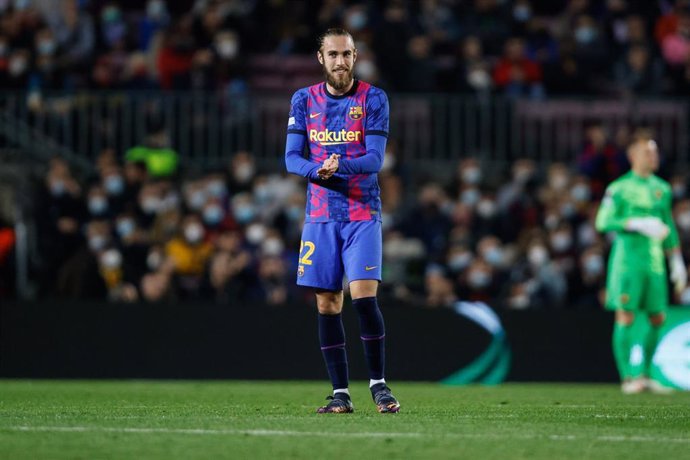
(340, 124)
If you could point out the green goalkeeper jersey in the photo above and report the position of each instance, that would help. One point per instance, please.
(632, 196)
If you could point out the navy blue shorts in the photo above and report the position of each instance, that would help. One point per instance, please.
(330, 250)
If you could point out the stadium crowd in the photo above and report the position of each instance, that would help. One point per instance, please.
(519, 238)
(522, 48)
(523, 239)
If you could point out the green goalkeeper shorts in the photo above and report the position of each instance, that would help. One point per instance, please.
(635, 291)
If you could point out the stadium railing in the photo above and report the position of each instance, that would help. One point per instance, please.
(430, 129)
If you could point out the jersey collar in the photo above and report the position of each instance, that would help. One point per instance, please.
(352, 90)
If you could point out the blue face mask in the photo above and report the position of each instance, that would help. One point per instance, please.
(46, 47)
(98, 205)
(216, 189)
(125, 227)
(494, 256)
(57, 188)
(294, 212)
(244, 213)
(585, 35)
(213, 215)
(114, 185)
(522, 13)
(594, 265)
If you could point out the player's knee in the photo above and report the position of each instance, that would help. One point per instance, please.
(329, 303)
(625, 318)
(363, 288)
(657, 320)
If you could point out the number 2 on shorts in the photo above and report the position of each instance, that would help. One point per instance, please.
(305, 259)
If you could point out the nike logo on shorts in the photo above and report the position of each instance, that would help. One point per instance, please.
(368, 268)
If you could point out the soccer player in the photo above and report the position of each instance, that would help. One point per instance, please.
(637, 206)
(344, 123)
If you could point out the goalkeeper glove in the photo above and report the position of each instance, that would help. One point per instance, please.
(652, 227)
(679, 274)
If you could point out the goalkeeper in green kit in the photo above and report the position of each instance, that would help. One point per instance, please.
(637, 206)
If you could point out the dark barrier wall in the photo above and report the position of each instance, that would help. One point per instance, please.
(93, 340)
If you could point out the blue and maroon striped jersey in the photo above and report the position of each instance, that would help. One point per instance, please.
(352, 125)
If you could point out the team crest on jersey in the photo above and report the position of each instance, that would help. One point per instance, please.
(657, 194)
(300, 270)
(356, 112)
(625, 298)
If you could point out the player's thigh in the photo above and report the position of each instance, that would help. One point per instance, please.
(655, 298)
(362, 250)
(624, 290)
(320, 264)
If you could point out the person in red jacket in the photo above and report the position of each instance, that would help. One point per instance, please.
(515, 74)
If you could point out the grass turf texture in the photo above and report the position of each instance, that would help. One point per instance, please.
(171, 419)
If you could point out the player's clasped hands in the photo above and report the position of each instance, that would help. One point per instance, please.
(329, 167)
(652, 227)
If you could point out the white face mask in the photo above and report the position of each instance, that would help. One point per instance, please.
(193, 233)
(227, 49)
(558, 181)
(272, 247)
(460, 261)
(486, 208)
(537, 256)
(150, 205)
(471, 175)
(196, 200)
(561, 242)
(256, 233)
(478, 279)
(244, 173)
(153, 260)
(111, 259)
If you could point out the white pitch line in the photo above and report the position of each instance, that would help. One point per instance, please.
(262, 432)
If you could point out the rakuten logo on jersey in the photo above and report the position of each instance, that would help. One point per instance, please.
(328, 137)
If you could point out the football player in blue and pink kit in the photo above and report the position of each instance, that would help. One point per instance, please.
(344, 124)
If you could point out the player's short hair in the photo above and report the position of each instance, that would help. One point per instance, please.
(333, 32)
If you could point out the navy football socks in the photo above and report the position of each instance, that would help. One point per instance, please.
(372, 333)
(332, 339)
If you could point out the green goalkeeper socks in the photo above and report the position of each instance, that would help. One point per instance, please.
(650, 343)
(621, 348)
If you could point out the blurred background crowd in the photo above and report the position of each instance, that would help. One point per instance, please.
(528, 48)
(519, 238)
(146, 226)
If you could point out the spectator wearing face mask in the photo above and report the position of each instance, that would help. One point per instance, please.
(591, 282)
(230, 278)
(273, 271)
(59, 214)
(499, 257)
(473, 71)
(216, 219)
(189, 253)
(439, 288)
(428, 220)
(564, 255)
(478, 283)
(79, 277)
(242, 172)
(515, 74)
(535, 281)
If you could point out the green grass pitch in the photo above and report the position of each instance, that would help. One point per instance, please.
(225, 419)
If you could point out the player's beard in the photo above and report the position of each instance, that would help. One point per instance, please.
(338, 82)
